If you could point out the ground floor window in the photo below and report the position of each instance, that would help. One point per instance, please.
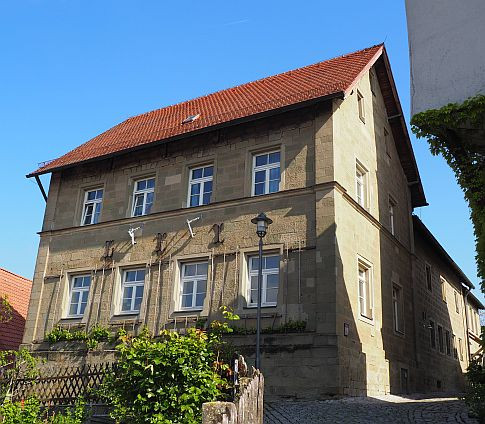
(78, 295)
(398, 308)
(193, 285)
(365, 290)
(270, 281)
(132, 287)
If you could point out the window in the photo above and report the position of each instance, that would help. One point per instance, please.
(133, 284)
(428, 276)
(392, 209)
(270, 281)
(443, 289)
(143, 197)
(448, 342)
(360, 102)
(440, 339)
(79, 292)
(373, 82)
(361, 185)
(397, 308)
(457, 304)
(455, 350)
(93, 199)
(387, 143)
(266, 173)
(365, 293)
(460, 348)
(193, 285)
(200, 186)
(432, 334)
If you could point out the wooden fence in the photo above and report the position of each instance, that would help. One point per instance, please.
(62, 386)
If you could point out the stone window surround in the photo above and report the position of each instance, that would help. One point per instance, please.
(144, 193)
(363, 262)
(81, 290)
(82, 190)
(197, 163)
(175, 281)
(64, 295)
(244, 281)
(133, 178)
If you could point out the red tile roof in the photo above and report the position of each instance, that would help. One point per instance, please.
(331, 77)
(17, 289)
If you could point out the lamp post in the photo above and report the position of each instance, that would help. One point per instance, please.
(262, 222)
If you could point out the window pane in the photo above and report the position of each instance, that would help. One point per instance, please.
(187, 301)
(140, 275)
(83, 308)
(208, 171)
(202, 268)
(86, 281)
(199, 300)
(126, 306)
(259, 189)
(274, 157)
(99, 194)
(188, 287)
(137, 305)
(141, 185)
(254, 264)
(272, 281)
(91, 195)
(271, 262)
(130, 276)
(189, 270)
(259, 177)
(78, 282)
(261, 160)
(88, 212)
(254, 282)
(274, 173)
(151, 183)
(201, 286)
(197, 173)
(138, 211)
(195, 189)
(128, 293)
(274, 186)
(208, 187)
(206, 199)
(84, 296)
(253, 296)
(149, 197)
(139, 291)
(271, 295)
(75, 297)
(194, 200)
(73, 309)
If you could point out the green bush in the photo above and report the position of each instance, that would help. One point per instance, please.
(163, 380)
(92, 338)
(475, 394)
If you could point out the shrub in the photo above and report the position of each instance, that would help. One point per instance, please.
(163, 380)
(475, 394)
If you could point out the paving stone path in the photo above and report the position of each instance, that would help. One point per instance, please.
(388, 409)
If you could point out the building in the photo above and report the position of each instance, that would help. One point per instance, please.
(150, 224)
(17, 291)
(445, 50)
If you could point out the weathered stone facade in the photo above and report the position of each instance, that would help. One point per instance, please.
(320, 232)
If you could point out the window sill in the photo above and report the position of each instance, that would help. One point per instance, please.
(262, 306)
(367, 320)
(126, 314)
(181, 311)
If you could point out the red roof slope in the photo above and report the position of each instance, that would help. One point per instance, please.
(321, 79)
(17, 289)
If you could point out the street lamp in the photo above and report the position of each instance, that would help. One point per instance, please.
(262, 222)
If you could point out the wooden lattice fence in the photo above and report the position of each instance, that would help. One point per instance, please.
(62, 386)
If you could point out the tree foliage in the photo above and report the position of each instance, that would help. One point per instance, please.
(446, 130)
(5, 309)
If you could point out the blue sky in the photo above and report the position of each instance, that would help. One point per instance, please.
(70, 69)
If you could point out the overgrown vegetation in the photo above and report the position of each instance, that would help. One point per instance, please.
(6, 310)
(21, 364)
(445, 130)
(288, 327)
(475, 393)
(92, 338)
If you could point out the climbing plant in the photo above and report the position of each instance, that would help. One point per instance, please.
(446, 130)
(5, 309)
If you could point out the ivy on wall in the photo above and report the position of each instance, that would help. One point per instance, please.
(448, 131)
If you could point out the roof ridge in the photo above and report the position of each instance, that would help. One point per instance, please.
(269, 77)
(13, 273)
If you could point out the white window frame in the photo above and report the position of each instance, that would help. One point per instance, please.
(201, 181)
(143, 192)
(443, 284)
(361, 184)
(264, 282)
(365, 297)
(133, 284)
(398, 308)
(81, 291)
(195, 279)
(457, 303)
(392, 214)
(267, 168)
(94, 203)
(361, 106)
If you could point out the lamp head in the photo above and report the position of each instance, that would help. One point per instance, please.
(262, 222)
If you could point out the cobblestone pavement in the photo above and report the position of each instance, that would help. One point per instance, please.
(377, 410)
